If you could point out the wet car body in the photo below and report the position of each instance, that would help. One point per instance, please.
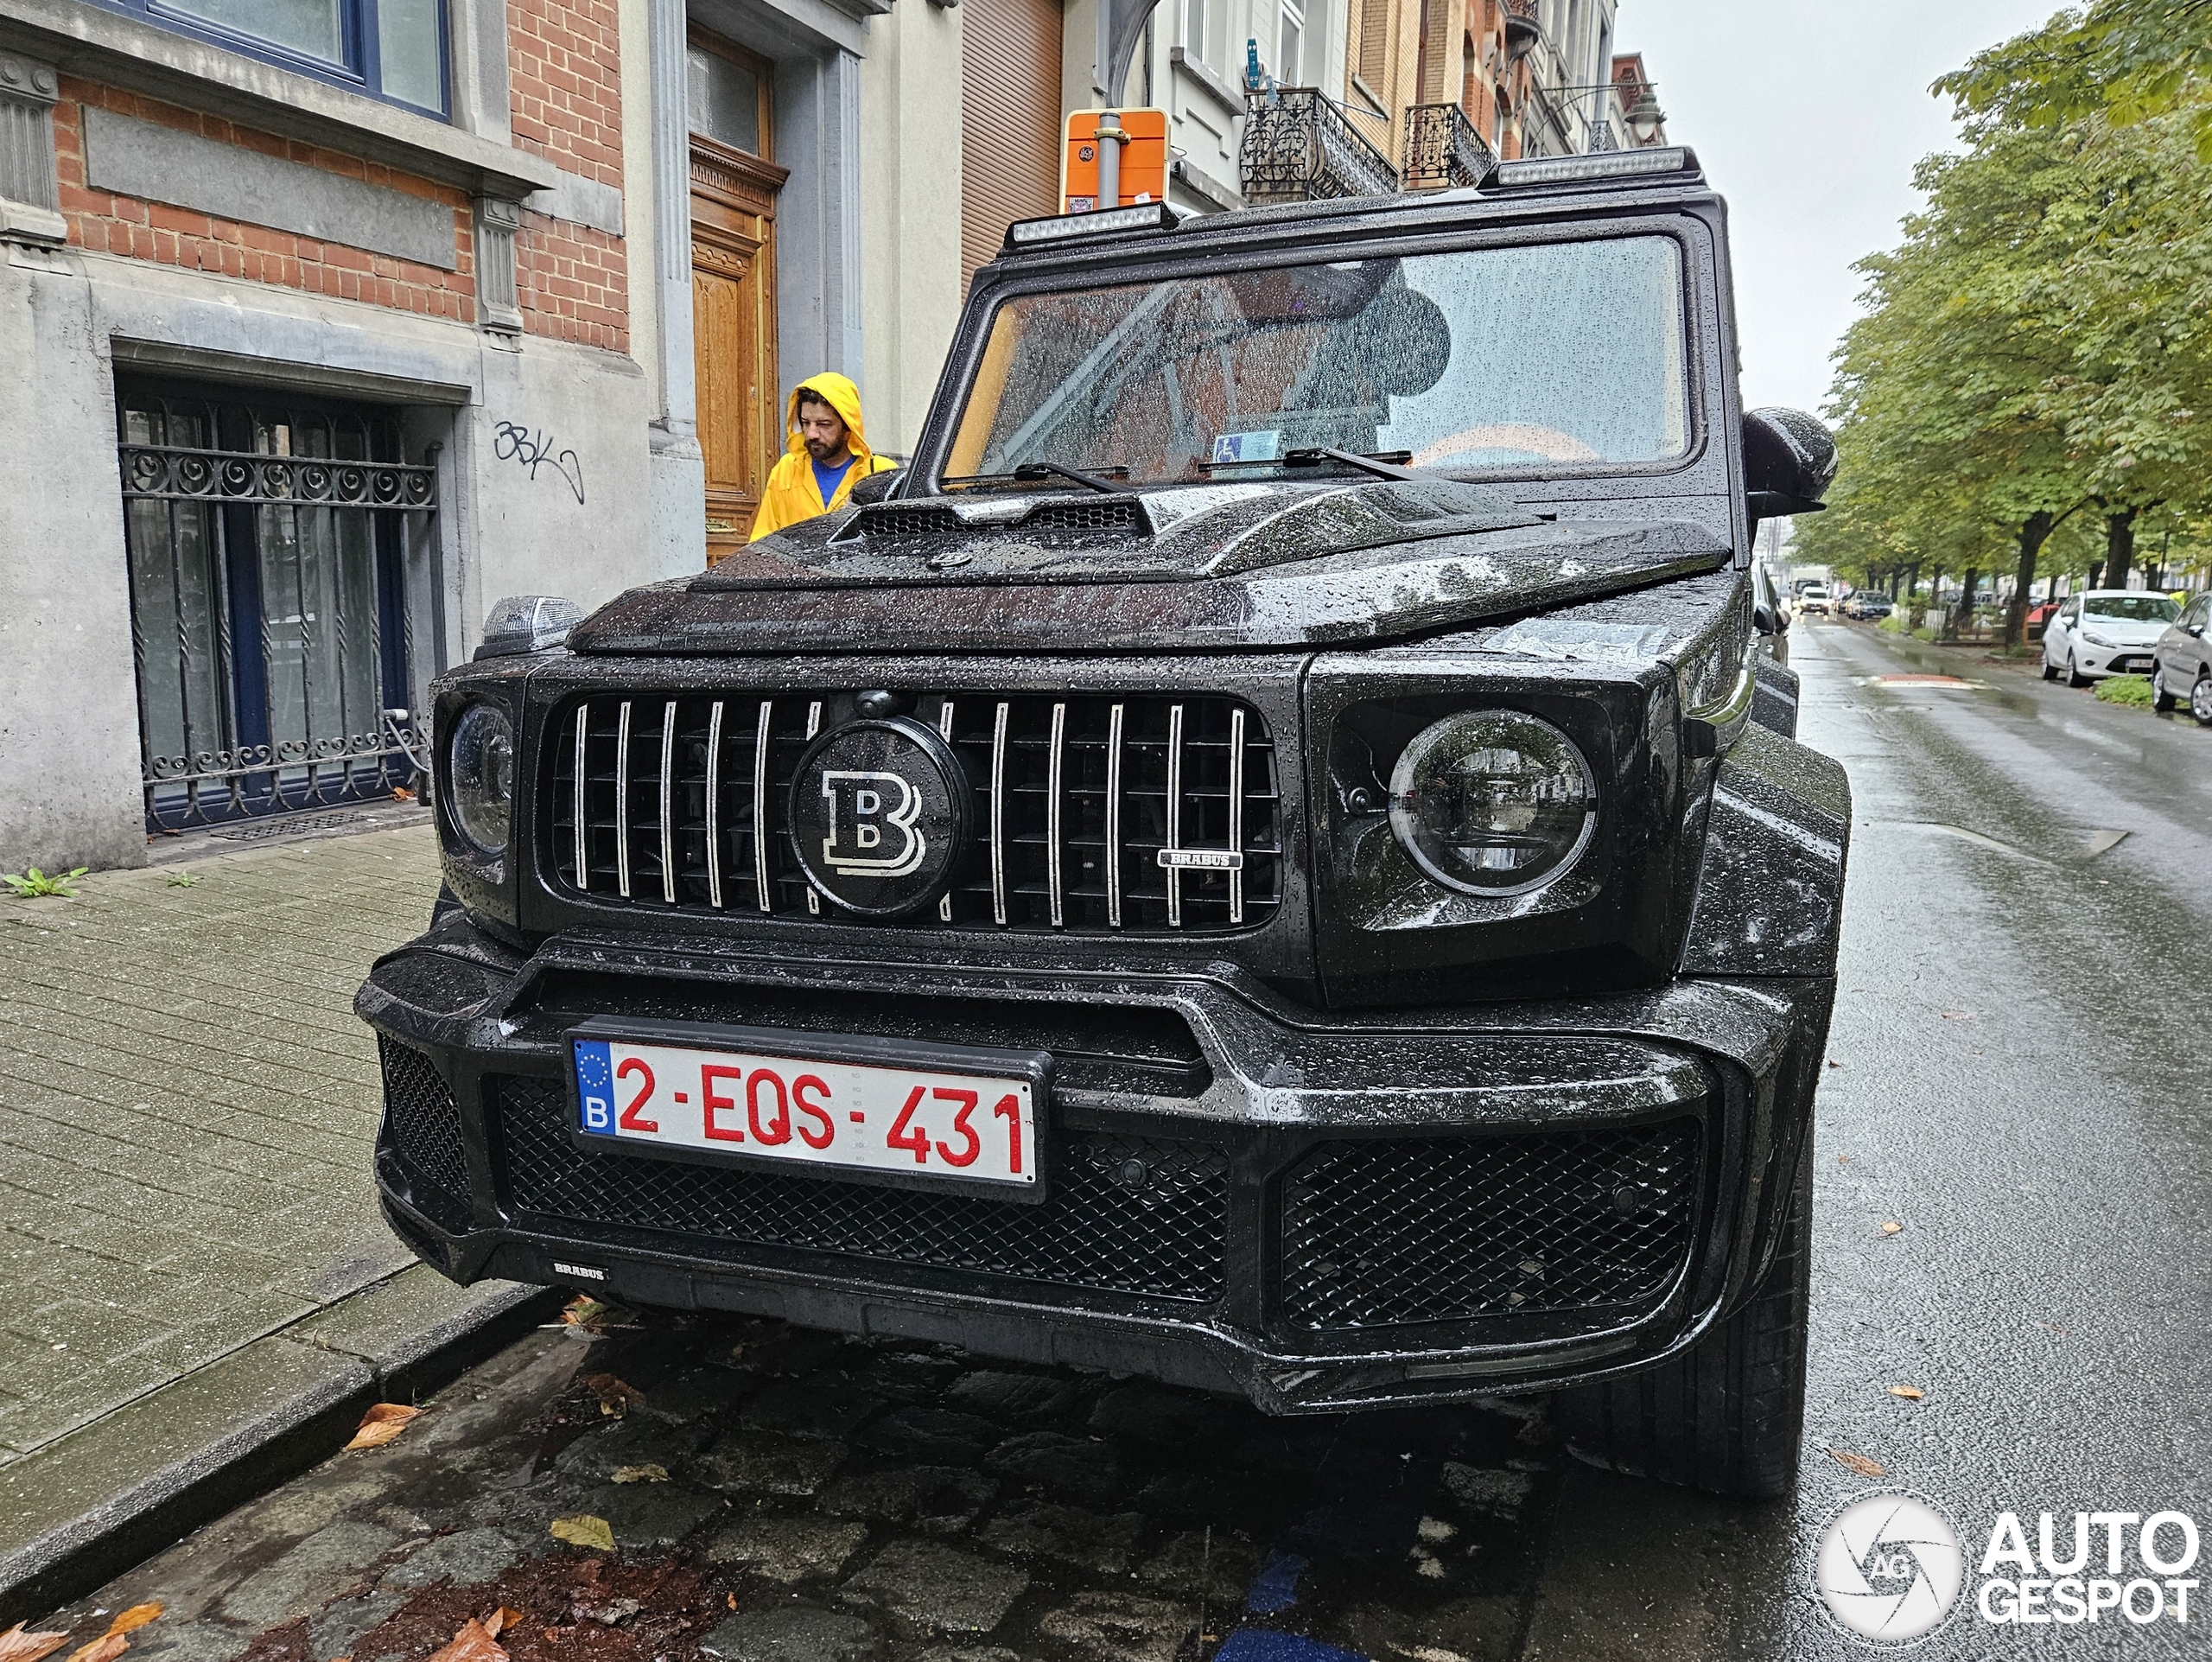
(2181, 664)
(1320, 1130)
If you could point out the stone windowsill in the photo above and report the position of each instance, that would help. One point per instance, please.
(101, 44)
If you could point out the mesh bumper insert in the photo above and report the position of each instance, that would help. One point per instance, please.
(1385, 1232)
(422, 1128)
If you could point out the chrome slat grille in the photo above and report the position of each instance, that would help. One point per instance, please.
(1143, 814)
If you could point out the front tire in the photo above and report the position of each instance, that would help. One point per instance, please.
(1727, 1414)
(2200, 698)
(2073, 677)
(2161, 700)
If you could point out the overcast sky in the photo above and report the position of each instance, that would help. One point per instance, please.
(1809, 116)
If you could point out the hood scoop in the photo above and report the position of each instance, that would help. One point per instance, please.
(1182, 533)
(925, 526)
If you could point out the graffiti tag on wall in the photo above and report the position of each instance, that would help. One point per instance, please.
(512, 442)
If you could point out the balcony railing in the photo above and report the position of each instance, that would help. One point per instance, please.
(1443, 149)
(1298, 148)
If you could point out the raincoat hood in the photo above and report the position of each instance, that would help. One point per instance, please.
(844, 398)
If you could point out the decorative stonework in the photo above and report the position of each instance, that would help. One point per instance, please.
(498, 306)
(30, 195)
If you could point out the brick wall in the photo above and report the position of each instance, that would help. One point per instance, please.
(175, 236)
(564, 59)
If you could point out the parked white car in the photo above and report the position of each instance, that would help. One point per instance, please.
(2105, 631)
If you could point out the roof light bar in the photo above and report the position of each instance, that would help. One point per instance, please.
(1601, 165)
(1145, 216)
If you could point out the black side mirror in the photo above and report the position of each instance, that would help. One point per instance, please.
(873, 487)
(1789, 462)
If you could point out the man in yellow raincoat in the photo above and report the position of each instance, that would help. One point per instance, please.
(827, 452)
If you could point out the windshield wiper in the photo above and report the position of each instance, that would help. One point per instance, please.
(1032, 473)
(1383, 464)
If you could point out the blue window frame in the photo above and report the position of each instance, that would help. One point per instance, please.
(393, 50)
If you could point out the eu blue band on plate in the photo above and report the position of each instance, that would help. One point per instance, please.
(595, 1086)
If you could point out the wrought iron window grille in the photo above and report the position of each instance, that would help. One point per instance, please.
(279, 557)
(1443, 149)
(1298, 147)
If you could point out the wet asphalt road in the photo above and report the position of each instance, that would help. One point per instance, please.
(2022, 1078)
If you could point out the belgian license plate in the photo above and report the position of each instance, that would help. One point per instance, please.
(867, 1109)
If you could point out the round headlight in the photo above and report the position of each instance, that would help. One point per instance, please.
(1493, 802)
(480, 776)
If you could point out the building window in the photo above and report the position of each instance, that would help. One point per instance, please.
(1292, 35)
(1205, 35)
(394, 50)
(727, 88)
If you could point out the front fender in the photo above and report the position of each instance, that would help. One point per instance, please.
(1770, 891)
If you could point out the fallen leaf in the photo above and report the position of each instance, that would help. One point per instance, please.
(103, 1649)
(130, 1621)
(1911, 1393)
(614, 1395)
(1893, 1229)
(17, 1646)
(1958, 1016)
(1858, 1463)
(581, 1528)
(1843, 1160)
(653, 1474)
(473, 1643)
(1835, 1064)
(588, 1315)
(732, 1597)
(501, 1619)
(382, 1423)
(401, 793)
(580, 1310)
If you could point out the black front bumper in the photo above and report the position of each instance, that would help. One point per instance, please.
(1316, 1212)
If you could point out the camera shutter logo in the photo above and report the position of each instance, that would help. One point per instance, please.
(1889, 1567)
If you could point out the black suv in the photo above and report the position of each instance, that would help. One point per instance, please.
(1265, 857)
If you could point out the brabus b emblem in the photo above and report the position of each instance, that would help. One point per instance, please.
(879, 815)
(872, 829)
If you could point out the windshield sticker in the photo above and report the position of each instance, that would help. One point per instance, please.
(1248, 447)
(1562, 640)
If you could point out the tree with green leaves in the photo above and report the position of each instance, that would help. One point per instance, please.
(2040, 344)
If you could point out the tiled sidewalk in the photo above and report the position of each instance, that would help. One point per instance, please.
(186, 1107)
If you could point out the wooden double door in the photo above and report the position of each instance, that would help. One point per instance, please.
(734, 297)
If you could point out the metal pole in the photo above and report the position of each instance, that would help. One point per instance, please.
(1110, 140)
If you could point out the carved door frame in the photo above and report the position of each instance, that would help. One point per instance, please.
(733, 236)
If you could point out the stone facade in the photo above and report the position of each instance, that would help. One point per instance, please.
(132, 227)
(187, 219)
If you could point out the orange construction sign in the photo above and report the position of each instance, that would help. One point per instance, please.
(1133, 144)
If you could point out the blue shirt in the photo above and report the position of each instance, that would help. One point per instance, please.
(826, 479)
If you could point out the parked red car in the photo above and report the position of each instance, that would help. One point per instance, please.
(2039, 618)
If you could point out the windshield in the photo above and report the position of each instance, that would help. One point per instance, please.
(1483, 359)
(2135, 608)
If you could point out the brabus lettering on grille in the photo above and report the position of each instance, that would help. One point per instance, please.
(872, 830)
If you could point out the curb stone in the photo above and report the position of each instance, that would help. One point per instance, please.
(83, 1509)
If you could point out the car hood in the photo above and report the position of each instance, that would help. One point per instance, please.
(2126, 631)
(1245, 565)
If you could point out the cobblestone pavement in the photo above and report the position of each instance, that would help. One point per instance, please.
(779, 1495)
(187, 1110)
